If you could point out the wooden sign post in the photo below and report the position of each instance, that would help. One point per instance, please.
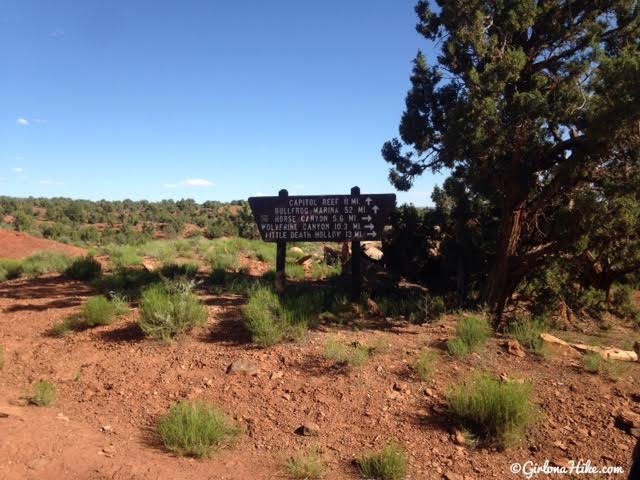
(322, 218)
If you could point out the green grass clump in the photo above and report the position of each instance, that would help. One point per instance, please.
(387, 464)
(44, 394)
(100, 311)
(527, 331)
(426, 364)
(169, 310)
(496, 411)
(196, 429)
(594, 363)
(34, 266)
(85, 268)
(97, 311)
(306, 466)
(353, 355)
(472, 332)
(271, 320)
(128, 282)
(123, 256)
(174, 271)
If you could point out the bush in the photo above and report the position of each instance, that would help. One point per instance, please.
(353, 355)
(44, 394)
(426, 364)
(387, 464)
(195, 429)
(271, 320)
(306, 466)
(99, 311)
(594, 363)
(527, 331)
(494, 410)
(34, 266)
(169, 310)
(86, 268)
(472, 332)
(623, 304)
(173, 271)
(128, 282)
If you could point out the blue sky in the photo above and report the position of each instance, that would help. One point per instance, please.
(214, 100)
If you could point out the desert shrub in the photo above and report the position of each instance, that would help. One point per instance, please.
(85, 268)
(426, 364)
(34, 266)
(623, 304)
(433, 307)
(472, 332)
(195, 429)
(496, 411)
(174, 271)
(128, 282)
(353, 355)
(306, 466)
(399, 306)
(62, 329)
(10, 269)
(169, 310)
(44, 394)
(123, 257)
(271, 320)
(387, 464)
(527, 331)
(594, 363)
(100, 311)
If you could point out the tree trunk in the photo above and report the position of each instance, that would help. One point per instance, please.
(501, 283)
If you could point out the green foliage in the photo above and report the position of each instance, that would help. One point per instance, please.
(306, 466)
(38, 264)
(127, 282)
(169, 310)
(100, 311)
(387, 464)
(123, 257)
(44, 394)
(173, 271)
(196, 429)
(472, 332)
(527, 331)
(353, 355)
(426, 364)
(594, 363)
(271, 320)
(85, 268)
(498, 412)
(531, 139)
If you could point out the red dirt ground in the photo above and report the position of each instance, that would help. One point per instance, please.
(21, 245)
(113, 376)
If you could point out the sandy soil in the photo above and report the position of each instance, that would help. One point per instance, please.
(112, 376)
(21, 245)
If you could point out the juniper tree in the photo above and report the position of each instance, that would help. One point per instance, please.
(528, 101)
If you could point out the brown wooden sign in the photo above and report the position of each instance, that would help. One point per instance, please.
(322, 218)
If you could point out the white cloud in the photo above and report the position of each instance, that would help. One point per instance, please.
(39, 120)
(191, 182)
(17, 169)
(22, 121)
(57, 33)
(49, 182)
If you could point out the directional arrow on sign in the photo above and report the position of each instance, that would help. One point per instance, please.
(367, 218)
(371, 234)
(368, 201)
(375, 209)
(369, 226)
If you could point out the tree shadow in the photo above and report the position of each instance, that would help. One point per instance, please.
(53, 286)
(128, 333)
(229, 330)
(63, 303)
